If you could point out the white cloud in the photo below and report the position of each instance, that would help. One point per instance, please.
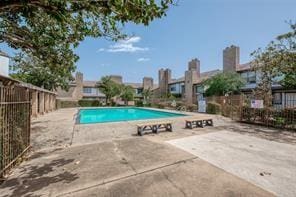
(129, 40)
(143, 59)
(126, 45)
(101, 49)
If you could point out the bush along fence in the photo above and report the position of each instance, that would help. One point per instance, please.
(237, 107)
(283, 118)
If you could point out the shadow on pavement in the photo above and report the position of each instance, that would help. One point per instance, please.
(37, 178)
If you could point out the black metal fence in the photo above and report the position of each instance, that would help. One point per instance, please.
(284, 100)
(238, 107)
(15, 111)
(280, 118)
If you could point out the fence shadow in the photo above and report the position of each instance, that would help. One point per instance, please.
(38, 177)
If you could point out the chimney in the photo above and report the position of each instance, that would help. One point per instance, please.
(194, 65)
(164, 78)
(78, 93)
(116, 78)
(192, 75)
(79, 77)
(147, 83)
(231, 58)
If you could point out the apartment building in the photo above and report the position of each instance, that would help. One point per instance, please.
(84, 89)
(190, 87)
(281, 97)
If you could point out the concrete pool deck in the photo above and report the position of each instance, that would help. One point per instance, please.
(110, 160)
(270, 165)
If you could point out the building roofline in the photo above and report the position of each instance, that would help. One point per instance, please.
(182, 79)
(23, 84)
(2, 53)
(7, 78)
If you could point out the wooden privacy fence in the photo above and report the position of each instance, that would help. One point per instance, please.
(15, 111)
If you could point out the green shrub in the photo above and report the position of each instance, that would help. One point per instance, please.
(139, 103)
(89, 103)
(180, 106)
(191, 107)
(289, 114)
(279, 121)
(147, 105)
(113, 104)
(66, 104)
(160, 105)
(213, 108)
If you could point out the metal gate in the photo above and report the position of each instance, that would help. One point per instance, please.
(230, 105)
(15, 111)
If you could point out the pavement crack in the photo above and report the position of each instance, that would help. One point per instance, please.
(122, 157)
(129, 176)
(72, 137)
(73, 129)
(172, 183)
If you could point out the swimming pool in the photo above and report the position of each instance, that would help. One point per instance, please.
(117, 114)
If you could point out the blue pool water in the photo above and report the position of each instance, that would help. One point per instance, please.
(100, 115)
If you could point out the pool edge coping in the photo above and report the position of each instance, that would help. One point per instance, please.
(184, 114)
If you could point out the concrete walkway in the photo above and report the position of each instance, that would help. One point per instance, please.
(270, 165)
(53, 130)
(110, 160)
(131, 167)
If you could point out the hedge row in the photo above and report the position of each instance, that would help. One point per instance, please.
(66, 104)
(89, 103)
(80, 103)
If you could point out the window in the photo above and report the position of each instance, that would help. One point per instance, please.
(276, 80)
(249, 77)
(173, 88)
(200, 89)
(183, 89)
(244, 75)
(277, 98)
(252, 77)
(139, 91)
(87, 90)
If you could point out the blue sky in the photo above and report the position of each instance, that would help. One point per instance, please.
(194, 28)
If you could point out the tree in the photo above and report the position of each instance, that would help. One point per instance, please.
(265, 67)
(22, 23)
(46, 29)
(45, 74)
(224, 83)
(110, 88)
(286, 49)
(146, 95)
(127, 93)
(276, 64)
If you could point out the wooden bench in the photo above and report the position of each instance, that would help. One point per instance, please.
(198, 122)
(154, 127)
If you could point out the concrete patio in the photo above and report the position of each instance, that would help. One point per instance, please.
(270, 165)
(110, 160)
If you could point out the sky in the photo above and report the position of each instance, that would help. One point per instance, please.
(192, 29)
